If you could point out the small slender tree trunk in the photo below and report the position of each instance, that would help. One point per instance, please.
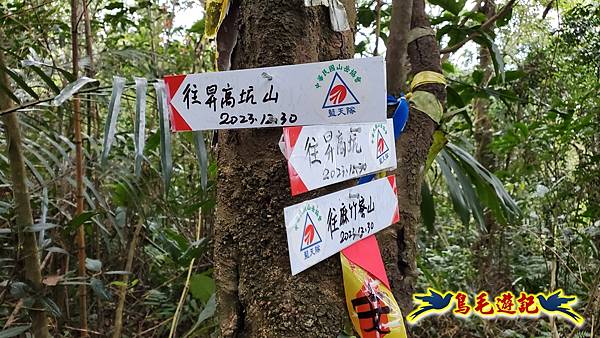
(493, 273)
(399, 242)
(125, 280)
(79, 171)
(31, 272)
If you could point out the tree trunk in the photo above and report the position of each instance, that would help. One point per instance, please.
(398, 242)
(493, 274)
(79, 171)
(256, 294)
(30, 265)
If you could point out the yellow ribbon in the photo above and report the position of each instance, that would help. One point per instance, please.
(424, 101)
(216, 10)
(427, 77)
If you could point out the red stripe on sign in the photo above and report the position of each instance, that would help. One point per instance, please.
(173, 82)
(177, 121)
(392, 179)
(396, 216)
(292, 134)
(365, 253)
(296, 183)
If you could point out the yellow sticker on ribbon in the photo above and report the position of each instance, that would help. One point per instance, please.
(216, 10)
(373, 310)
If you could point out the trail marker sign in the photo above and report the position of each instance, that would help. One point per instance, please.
(323, 155)
(321, 227)
(323, 93)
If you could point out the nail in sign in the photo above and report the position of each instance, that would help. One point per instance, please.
(321, 227)
(332, 92)
(323, 155)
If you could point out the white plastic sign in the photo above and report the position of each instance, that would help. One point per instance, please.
(319, 228)
(322, 155)
(332, 92)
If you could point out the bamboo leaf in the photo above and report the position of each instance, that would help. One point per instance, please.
(490, 190)
(486, 40)
(469, 193)
(139, 132)
(439, 141)
(456, 194)
(113, 113)
(46, 79)
(10, 94)
(68, 75)
(93, 264)
(165, 135)
(99, 289)
(70, 90)
(14, 331)
(82, 218)
(44, 214)
(202, 155)
(427, 207)
(21, 83)
(51, 307)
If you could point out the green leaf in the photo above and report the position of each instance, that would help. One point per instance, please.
(365, 16)
(51, 307)
(504, 19)
(469, 194)
(477, 76)
(93, 264)
(14, 331)
(509, 76)
(497, 58)
(456, 195)
(489, 187)
(427, 207)
(454, 98)
(448, 67)
(202, 287)
(46, 79)
(451, 6)
(99, 289)
(197, 27)
(21, 83)
(10, 94)
(20, 290)
(439, 141)
(80, 219)
(202, 155)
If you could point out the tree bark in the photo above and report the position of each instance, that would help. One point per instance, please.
(398, 242)
(256, 294)
(30, 266)
(493, 274)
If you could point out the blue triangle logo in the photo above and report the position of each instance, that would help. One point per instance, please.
(310, 235)
(382, 147)
(339, 94)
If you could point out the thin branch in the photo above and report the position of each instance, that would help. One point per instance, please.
(396, 55)
(377, 27)
(484, 26)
